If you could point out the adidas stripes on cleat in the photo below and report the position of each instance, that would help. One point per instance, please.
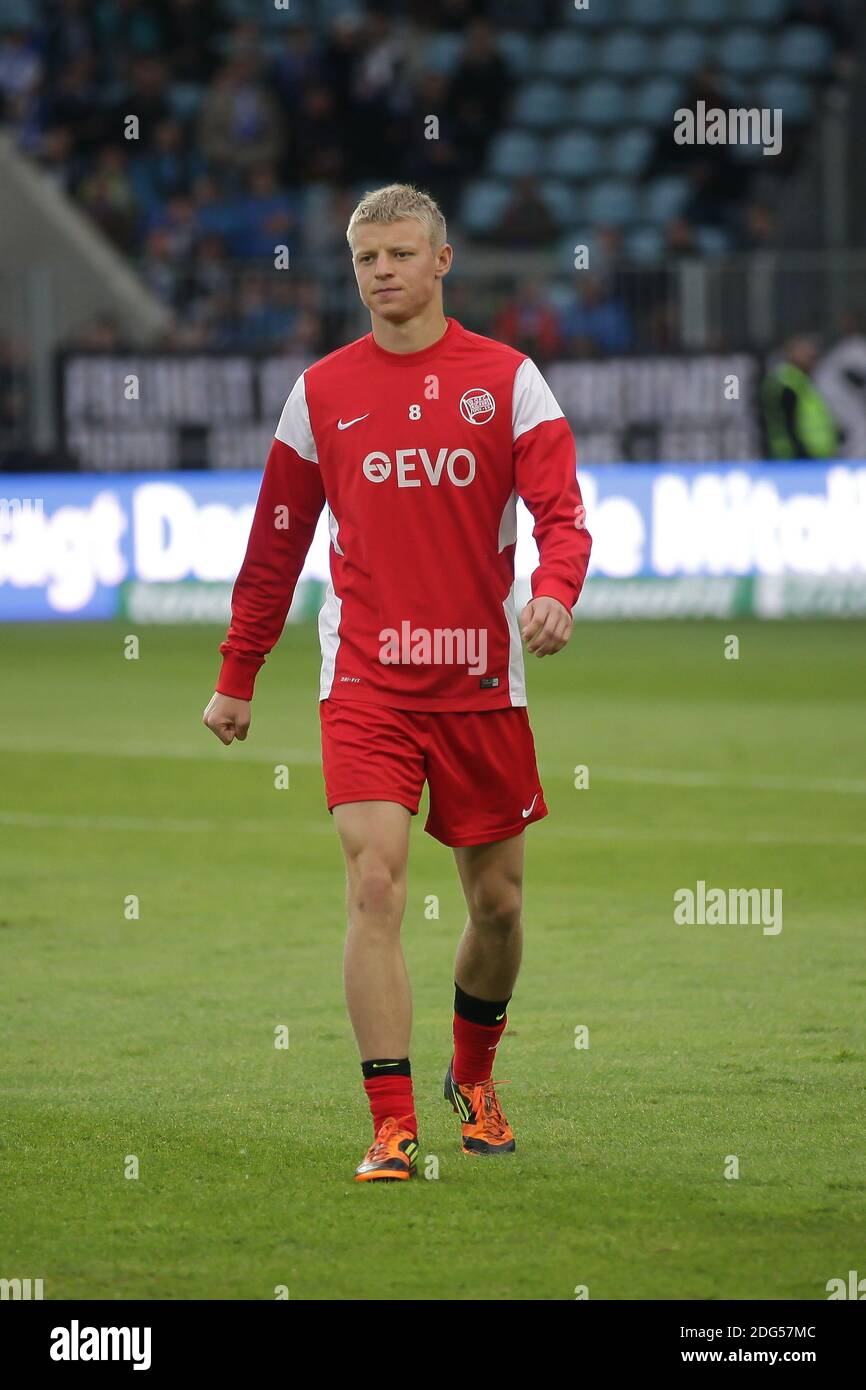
(391, 1156)
(485, 1128)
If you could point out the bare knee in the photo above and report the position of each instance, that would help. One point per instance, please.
(496, 905)
(374, 893)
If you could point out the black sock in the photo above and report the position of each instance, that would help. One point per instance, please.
(386, 1066)
(483, 1011)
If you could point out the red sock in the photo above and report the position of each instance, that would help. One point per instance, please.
(391, 1095)
(475, 1049)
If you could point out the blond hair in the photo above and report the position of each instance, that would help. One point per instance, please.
(396, 201)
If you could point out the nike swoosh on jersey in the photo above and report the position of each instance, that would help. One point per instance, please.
(377, 1066)
(344, 424)
(531, 804)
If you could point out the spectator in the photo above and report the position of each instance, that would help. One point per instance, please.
(831, 16)
(317, 153)
(342, 56)
(527, 219)
(127, 30)
(210, 270)
(70, 33)
(479, 91)
(108, 196)
(454, 14)
(606, 262)
(595, 324)
(528, 322)
(177, 219)
(264, 315)
(239, 123)
(160, 270)
(298, 65)
(215, 213)
(680, 240)
(191, 36)
(72, 101)
(13, 394)
(57, 157)
(380, 97)
(434, 164)
(20, 68)
(166, 169)
(266, 218)
(797, 420)
(759, 228)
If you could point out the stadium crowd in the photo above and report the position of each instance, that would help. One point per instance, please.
(251, 134)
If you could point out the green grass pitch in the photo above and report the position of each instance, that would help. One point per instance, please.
(155, 1037)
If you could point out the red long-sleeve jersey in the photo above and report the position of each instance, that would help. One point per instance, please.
(420, 458)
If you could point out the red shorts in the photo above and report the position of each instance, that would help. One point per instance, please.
(480, 766)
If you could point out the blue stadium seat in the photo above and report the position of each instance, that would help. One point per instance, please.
(576, 154)
(664, 198)
(563, 200)
(625, 53)
(308, 13)
(752, 153)
(565, 54)
(738, 90)
(656, 100)
(648, 14)
(710, 12)
(595, 16)
(804, 50)
(745, 52)
(564, 254)
(185, 98)
(482, 205)
(19, 14)
(712, 241)
(274, 21)
(601, 104)
(442, 52)
(518, 50)
(514, 153)
(629, 152)
(321, 12)
(760, 11)
(540, 105)
(681, 52)
(791, 95)
(612, 203)
(644, 245)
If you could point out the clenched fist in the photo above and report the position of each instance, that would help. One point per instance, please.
(228, 718)
(546, 626)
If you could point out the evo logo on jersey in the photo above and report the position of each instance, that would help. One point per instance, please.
(457, 464)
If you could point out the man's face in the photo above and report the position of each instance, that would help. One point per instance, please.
(396, 268)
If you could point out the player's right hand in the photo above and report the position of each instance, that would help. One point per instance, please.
(227, 717)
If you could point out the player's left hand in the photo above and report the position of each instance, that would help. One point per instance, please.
(546, 626)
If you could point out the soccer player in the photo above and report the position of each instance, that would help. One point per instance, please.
(419, 437)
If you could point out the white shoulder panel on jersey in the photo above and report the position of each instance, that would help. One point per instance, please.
(294, 427)
(533, 401)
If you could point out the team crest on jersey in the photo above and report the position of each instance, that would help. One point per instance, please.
(477, 406)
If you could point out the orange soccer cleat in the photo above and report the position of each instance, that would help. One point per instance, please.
(391, 1156)
(485, 1128)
